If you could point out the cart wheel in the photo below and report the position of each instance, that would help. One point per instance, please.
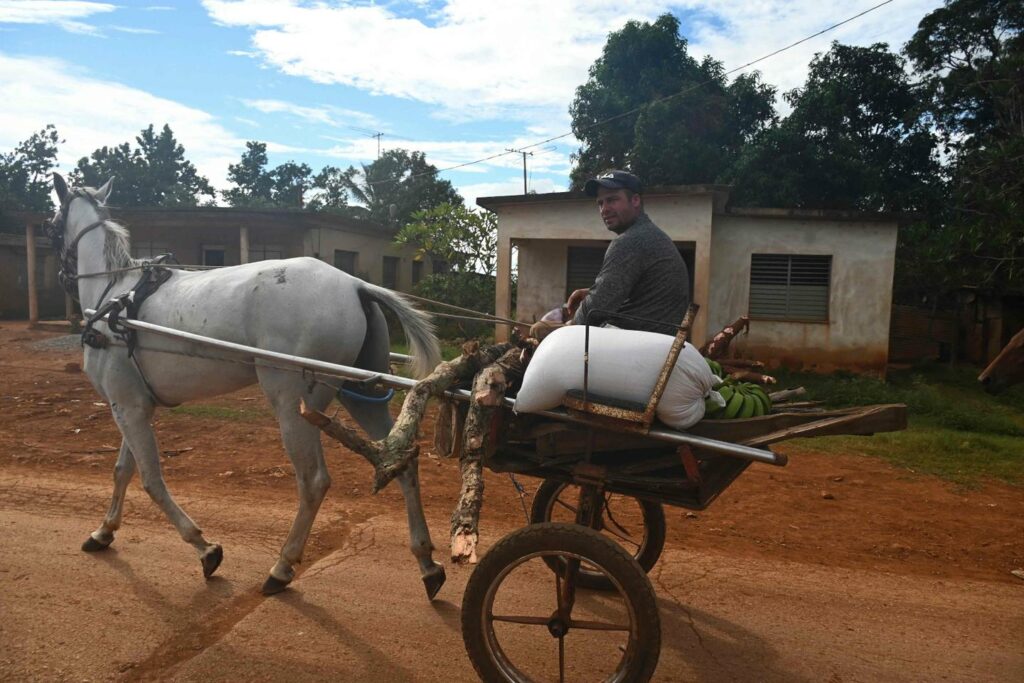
(520, 625)
(637, 525)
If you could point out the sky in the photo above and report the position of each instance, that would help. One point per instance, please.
(459, 80)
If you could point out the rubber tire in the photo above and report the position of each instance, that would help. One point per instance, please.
(648, 553)
(572, 538)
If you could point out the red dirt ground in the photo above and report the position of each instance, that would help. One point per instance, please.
(879, 518)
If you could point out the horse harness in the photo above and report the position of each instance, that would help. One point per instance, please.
(153, 275)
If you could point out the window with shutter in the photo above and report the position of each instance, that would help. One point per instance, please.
(790, 287)
(345, 260)
(584, 263)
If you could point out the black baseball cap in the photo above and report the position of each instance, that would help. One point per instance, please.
(613, 180)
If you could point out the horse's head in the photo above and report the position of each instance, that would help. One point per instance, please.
(81, 209)
(1007, 368)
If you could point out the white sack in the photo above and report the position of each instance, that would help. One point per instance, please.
(624, 364)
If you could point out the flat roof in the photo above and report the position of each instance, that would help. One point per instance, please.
(224, 216)
(490, 203)
(822, 214)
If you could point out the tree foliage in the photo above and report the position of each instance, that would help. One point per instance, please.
(400, 179)
(855, 140)
(468, 242)
(284, 186)
(970, 54)
(154, 173)
(696, 126)
(25, 172)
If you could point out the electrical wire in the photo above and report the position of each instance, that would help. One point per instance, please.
(642, 106)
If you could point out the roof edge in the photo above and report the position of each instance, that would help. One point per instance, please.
(823, 214)
(490, 203)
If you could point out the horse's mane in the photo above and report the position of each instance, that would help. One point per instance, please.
(117, 245)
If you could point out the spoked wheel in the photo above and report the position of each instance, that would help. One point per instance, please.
(523, 622)
(637, 525)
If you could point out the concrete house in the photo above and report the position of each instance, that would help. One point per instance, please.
(215, 236)
(817, 285)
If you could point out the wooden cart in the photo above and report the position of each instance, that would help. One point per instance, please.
(610, 487)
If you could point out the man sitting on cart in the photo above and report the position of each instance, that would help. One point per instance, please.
(642, 275)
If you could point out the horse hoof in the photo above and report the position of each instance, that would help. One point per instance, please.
(91, 545)
(273, 585)
(433, 580)
(211, 560)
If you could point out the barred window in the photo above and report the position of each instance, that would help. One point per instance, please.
(346, 260)
(790, 287)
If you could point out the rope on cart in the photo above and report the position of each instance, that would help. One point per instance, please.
(522, 495)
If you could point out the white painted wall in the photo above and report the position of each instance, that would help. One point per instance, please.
(863, 259)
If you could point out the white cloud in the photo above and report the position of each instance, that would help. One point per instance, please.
(327, 115)
(132, 29)
(523, 60)
(63, 13)
(89, 113)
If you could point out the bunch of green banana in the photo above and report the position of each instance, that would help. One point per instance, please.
(742, 400)
(716, 367)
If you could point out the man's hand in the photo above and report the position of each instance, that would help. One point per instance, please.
(575, 299)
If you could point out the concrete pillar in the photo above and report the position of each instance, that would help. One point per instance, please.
(701, 288)
(503, 288)
(243, 244)
(30, 254)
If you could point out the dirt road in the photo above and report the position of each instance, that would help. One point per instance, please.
(897, 577)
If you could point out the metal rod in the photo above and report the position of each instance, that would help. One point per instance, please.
(348, 372)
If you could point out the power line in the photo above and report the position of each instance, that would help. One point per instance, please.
(646, 104)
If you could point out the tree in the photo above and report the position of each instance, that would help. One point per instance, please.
(691, 122)
(331, 185)
(25, 172)
(468, 241)
(155, 173)
(855, 139)
(970, 54)
(400, 179)
(284, 186)
(254, 185)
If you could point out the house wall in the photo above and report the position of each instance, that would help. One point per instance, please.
(856, 337)
(14, 278)
(185, 232)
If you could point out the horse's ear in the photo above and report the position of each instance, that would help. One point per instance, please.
(104, 192)
(61, 187)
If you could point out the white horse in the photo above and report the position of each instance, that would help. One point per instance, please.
(299, 306)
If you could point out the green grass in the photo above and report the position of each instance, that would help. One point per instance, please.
(955, 431)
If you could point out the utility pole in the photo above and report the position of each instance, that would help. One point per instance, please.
(378, 136)
(524, 153)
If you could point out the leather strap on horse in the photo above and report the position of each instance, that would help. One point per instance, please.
(130, 302)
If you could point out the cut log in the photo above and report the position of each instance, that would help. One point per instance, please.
(741, 363)
(786, 394)
(720, 342)
(751, 376)
(391, 455)
(479, 441)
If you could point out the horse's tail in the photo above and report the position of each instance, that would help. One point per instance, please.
(419, 329)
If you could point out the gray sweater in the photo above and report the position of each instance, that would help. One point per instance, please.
(642, 275)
